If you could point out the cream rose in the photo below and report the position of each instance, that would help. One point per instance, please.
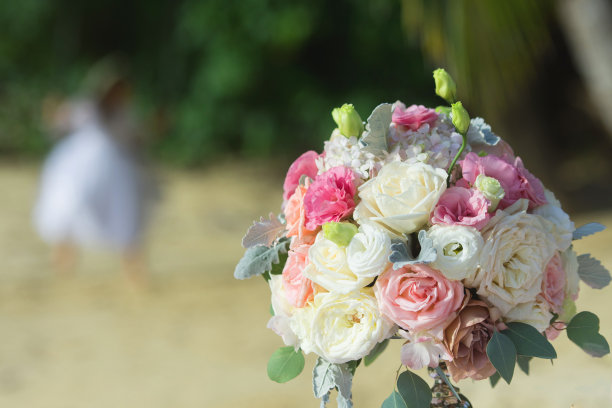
(512, 261)
(401, 197)
(328, 267)
(535, 313)
(283, 310)
(368, 252)
(556, 221)
(458, 250)
(341, 327)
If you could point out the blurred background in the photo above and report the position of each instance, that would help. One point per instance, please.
(227, 93)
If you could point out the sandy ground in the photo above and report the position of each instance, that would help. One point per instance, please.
(197, 337)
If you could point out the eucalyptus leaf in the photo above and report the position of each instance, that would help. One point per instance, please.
(414, 390)
(264, 232)
(285, 364)
(583, 330)
(592, 272)
(587, 229)
(523, 363)
(502, 354)
(259, 259)
(528, 341)
(374, 139)
(376, 351)
(494, 379)
(394, 400)
(401, 255)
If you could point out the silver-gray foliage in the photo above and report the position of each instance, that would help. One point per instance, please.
(258, 260)
(374, 139)
(592, 272)
(401, 255)
(327, 376)
(587, 229)
(265, 232)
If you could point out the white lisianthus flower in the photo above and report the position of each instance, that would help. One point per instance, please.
(283, 310)
(423, 350)
(401, 197)
(368, 252)
(329, 268)
(341, 327)
(512, 261)
(570, 266)
(559, 224)
(535, 313)
(458, 250)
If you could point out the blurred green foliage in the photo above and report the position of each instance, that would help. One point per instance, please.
(255, 77)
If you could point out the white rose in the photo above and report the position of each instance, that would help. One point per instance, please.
(368, 252)
(458, 250)
(329, 268)
(535, 313)
(401, 197)
(341, 327)
(283, 309)
(512, 261)
(557, 222)
(570, 266)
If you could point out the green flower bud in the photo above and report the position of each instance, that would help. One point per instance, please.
(340, 233)
(460, 118)
(491, 189)
(569, 310)
(445, 86)
(348, 120)
(443, 109)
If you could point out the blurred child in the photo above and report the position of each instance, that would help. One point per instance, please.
(95, 191)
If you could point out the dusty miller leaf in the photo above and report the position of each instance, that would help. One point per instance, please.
(264, 232)
(587, 229)
(326, 376)
(401, 254)
(324, 400)
(322, 378)
(259, 260)
(375, 138)
(592, 272)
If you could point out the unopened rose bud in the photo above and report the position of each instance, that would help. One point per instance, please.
(491, 189)
(340, 233)
(460, 118)
(348, 120)
(445, 86)
(443, 109)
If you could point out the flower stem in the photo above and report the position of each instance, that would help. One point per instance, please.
(461, 149)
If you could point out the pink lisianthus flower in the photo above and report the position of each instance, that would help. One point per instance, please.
(414, 116)
(417, 298)
(305, 165)
(422, 350)
(553, 283)
(298, 288)
(514, 178)
(330, 197)
(461, 206)
(295, 216)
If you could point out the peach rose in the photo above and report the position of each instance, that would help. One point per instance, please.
(294, 214)
(298, 288)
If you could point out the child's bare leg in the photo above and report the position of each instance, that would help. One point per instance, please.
(64, 258)
(135, 267)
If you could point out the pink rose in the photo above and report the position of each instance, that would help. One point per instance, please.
(461, 206)
(554, 330)
(295, 216)
(553, 283)
(298, 289)
(413, 117)
(516, 181)
(330, 197)
(417, 297)
(303, 165)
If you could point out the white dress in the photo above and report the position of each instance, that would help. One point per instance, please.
(93, 193)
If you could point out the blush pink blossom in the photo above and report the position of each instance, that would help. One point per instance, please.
(514, 178)
(461, 206)
(298, 288)
(305, 165)
(554, 330)
(553, 283)
(295, 216)
(417, 297)
(414, 116)
(330, 197)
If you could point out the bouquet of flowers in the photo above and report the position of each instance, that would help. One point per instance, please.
(421, 225)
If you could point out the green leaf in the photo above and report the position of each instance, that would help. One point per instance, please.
(414, 390)
(259, 259)
(523, 363)
(502, 354)
(285, 364)
(394, 400)
(592, 272)
(528, 341)
(494, 379)
(277, 268)
(583, 330)
(376, 351)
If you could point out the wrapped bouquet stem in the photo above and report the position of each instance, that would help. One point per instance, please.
(421, 226)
